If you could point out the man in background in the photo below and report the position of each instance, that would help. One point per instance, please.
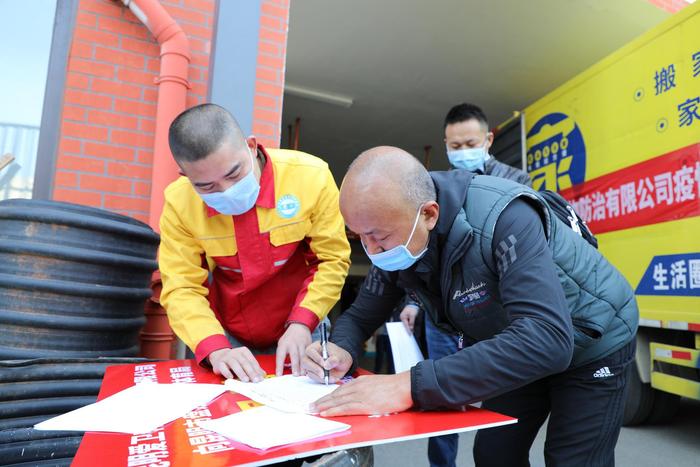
(468, 141)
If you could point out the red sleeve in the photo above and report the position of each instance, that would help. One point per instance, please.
(304, 316)
(210, 344)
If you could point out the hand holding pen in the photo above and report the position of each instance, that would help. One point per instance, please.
(334, 365)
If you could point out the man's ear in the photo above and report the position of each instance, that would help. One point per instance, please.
(252, 143)
(431, 211)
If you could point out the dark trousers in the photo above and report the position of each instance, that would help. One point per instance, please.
(585, 407)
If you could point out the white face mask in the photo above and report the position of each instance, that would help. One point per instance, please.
(239, 197)
(471, 159)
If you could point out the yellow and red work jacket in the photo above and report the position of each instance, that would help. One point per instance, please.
(283, 261)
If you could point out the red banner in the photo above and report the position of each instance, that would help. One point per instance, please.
(184, 443)
(661, 189)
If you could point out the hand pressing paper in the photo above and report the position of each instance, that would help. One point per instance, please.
(287, 393)
(265, 427)
(139, 409)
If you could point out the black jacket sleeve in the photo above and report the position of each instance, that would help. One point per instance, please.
(373, 306)
(539, 338)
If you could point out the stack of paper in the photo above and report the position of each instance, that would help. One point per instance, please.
(265, 427)
(138, 409)
(404, 347)
(286, 393)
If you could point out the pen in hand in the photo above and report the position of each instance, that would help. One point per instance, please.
(324, 350)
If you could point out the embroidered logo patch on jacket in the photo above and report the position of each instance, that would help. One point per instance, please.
(288, 206)
(475, 295)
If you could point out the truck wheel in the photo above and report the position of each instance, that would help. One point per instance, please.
(665, 407)
(666, 404)
(640, 399)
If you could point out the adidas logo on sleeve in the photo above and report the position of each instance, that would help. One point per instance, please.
(603, 373)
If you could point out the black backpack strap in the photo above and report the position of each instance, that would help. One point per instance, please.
(568, 215)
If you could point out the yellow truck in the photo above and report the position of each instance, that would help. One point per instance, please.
(621, 141)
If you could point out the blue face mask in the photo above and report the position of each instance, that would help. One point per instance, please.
(238, 198)
(399, 257)
(471, 159)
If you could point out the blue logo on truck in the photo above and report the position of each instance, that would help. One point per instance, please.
(677, 275)
(556, 155)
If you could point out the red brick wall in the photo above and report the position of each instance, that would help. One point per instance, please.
(672, 6)
(269, 86)
(105, 154)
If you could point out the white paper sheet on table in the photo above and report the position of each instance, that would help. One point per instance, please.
(139, 409)
(286, 393)
(265, 427)
(404, 347)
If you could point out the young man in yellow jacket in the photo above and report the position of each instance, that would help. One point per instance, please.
(253, 250)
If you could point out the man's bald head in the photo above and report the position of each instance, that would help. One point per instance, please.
(387, 175)
(388, 199)
(199, 131)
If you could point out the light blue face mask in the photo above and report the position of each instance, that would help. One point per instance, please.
(471, 159)
(399, 257)
(239, 197)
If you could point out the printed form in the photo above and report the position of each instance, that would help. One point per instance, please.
(286, 393)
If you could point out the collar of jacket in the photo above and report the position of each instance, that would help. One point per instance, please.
(489, 165)
(451, 189)
(452, 227)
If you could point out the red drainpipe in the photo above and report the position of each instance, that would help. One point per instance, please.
(172, 92)
(157, 337)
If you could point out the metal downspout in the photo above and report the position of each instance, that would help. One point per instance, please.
(172, 93)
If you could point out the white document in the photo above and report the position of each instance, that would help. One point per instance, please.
(265, 427)
(139, 409)
(404, 347)
(287, 393)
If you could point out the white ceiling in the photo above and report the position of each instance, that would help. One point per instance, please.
(406, 62)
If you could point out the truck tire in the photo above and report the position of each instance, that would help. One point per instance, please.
(665, 407)
(640, 399)
(666, 404)
(646, 405)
